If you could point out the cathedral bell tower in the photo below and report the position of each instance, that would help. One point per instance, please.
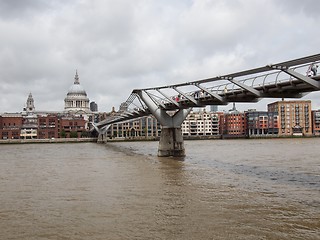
(30, 104)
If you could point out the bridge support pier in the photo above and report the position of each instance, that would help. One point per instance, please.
(171, 143)
(171, 140)
(102, 138)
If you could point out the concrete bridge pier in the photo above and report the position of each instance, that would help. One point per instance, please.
(171, 143)
(171, 140)
(102, 137)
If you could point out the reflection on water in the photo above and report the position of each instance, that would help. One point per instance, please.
(222, 189)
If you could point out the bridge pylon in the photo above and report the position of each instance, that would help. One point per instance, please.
(171, 140)
(102, 137)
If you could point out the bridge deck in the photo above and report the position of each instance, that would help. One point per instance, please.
(288, 79)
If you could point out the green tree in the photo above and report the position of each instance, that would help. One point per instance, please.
(85, 134)
(63, 133)
(73, 134)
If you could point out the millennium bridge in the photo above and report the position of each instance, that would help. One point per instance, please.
(171, 104)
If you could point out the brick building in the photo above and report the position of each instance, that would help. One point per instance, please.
(48, 126)
(294, 117)
(261, 123)
(42, 126)
(10, 126)
(234, 124)
(71, 126)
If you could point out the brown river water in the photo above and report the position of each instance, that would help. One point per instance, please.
(222, 189)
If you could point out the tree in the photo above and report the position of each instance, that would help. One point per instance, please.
(73, 134)
(63, 133)
(84, 134)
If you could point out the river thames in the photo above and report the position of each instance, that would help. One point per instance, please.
(222, 189)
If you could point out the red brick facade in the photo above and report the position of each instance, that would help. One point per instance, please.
(235, 124)
(294, 117)
(46, 126)
(71, 126)
(10, 126)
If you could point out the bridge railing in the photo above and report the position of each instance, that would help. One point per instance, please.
(221, 86)
(217, 90)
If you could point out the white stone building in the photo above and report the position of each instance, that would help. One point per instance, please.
(76, 101)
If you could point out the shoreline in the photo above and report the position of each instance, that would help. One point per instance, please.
(56, 140)
(140, 139)
(190, 138)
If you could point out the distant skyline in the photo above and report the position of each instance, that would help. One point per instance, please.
(118, 46)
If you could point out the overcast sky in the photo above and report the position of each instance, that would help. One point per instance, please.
(119, 45)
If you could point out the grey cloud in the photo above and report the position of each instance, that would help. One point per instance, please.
(295, 7)
(120, 45)
(19, 9)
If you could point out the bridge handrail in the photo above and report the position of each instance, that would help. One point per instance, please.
(233, 87)
(220, 89)
(271, 67)
(254, 82)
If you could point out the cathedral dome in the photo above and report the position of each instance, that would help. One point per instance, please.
(76, 100)
(76, 89)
